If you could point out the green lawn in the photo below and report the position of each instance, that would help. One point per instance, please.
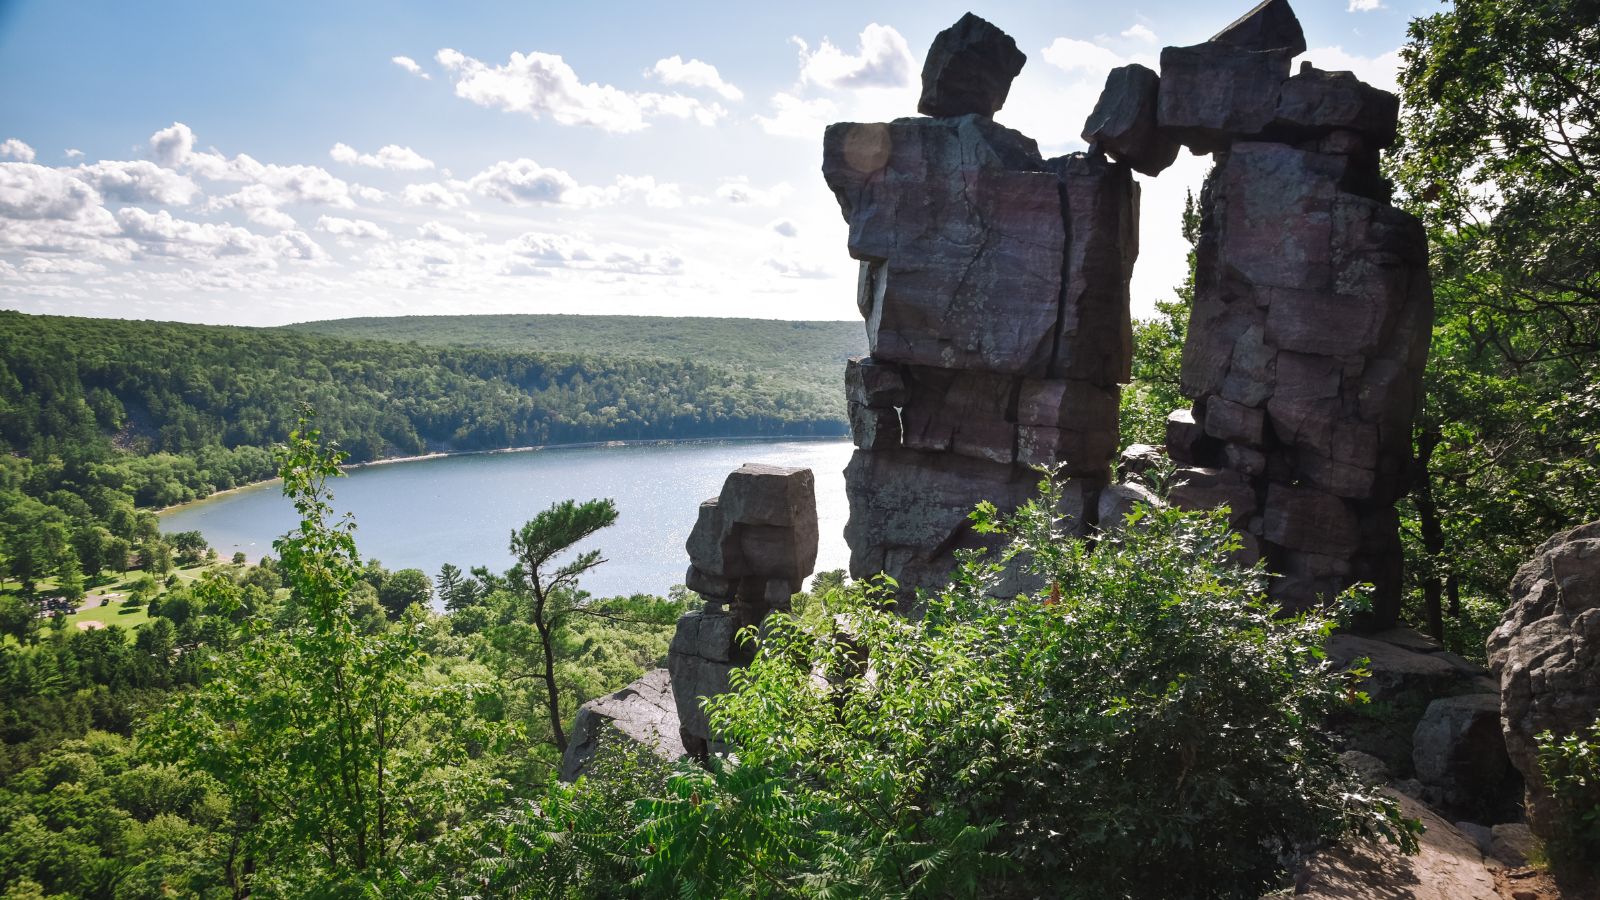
(114, 614)
(116, 590)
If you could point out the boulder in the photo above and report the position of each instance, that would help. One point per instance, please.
(1512, 844)
(1368, 768)
(1457, 749)
(644, 712)
(1204, 488)
(1546, 656)
(1139, 460)
(969, 70)
(874, 384)
(1271, 25)
(1118, 500)
(1214, 93)
(1123, 122)
(1448, 866)
(1316, 103)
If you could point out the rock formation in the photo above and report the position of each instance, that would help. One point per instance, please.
(643, 712)
(751, 549)
(994, 284)
(1311, 313)
(1546, 655)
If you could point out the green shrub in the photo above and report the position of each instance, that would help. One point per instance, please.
(1144, 725)
(1571, 769)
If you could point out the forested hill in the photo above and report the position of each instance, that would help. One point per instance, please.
(68, 385)
(812, 352)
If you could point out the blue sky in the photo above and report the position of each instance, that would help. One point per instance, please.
(258, 163)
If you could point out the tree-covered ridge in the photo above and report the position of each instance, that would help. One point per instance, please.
(175, 388)
(802, 353)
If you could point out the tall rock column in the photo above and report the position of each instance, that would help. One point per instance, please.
(751, 549)
(994, 285)
(1312, 311)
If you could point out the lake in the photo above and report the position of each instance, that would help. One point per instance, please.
(461, 509)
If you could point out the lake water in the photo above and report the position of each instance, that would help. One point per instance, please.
(461, 509)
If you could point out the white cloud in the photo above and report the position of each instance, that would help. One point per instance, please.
(534, 253)
(523, 182)
(882, 60)
(1381, 71)
(392, 157)
(694, 73)
(28, 191)
(785, 227)
(269, 217)
(410, 65)
(369, 194)
(438, 231)
(73, 153)
(138, 181)
(434, 194)
(795, 268)
(543, 85)
(798, 118)
(268, 184)
(740, 192)
(162, 234)
(356, 228)
(1138, 32)
(1365, 5)
(1073, 55)
(12, 148)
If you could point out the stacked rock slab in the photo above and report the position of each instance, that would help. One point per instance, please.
(1312, 304)
(751, 549)
(994, 285)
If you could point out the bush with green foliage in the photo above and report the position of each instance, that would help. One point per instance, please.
(1144, 725)
(1571, 769)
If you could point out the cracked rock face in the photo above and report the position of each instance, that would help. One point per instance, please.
(1546, 656)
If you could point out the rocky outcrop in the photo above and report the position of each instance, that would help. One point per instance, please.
(1311, 313)
(1460, 758)
(969, 69)
(751, 549)
(1546, 655)
(1448, 866)
(994, 285)
(644, 712)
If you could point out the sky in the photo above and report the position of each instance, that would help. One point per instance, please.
(263, 163)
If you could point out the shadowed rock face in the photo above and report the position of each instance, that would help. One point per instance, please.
(1272, 25)
(969, 70)
(1546, 656)
(1124, 121)
(751, 549)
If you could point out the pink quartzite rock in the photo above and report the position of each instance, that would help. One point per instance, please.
(750, 550)
(1545, 655)
(969, 70)
(1123, 122)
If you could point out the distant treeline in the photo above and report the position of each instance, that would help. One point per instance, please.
(211, 395)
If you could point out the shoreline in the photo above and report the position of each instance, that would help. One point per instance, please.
(581, 445)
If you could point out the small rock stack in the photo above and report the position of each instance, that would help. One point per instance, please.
(751, 549)
(1312, 303)
(994, 285)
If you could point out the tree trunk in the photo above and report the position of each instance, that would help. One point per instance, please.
(552, 696)
(1432, 536)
